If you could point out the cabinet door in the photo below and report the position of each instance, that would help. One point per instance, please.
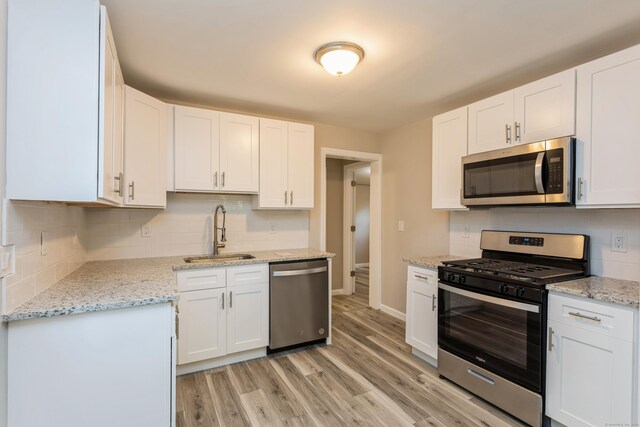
(248, 317)
(273, 163)
(422, 316)
(490, 123)
(196, 149)
(239, 153)
(588, 377)
(118, 147)
(449, 146)
(145, 150)
(202, 325)
(607, 129)
(301, 166)
(545, 109)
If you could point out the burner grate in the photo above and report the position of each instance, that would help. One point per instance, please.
(518, 270)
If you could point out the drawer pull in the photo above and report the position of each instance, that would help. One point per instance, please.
(433, 302)
(582, 316)
(418, 276)
(550, 346)
(480, 376)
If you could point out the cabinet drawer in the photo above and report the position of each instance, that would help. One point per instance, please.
(616, 322)
(422, 275)
(201, 279)
(248, 275)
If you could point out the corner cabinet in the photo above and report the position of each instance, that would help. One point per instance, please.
(215, 151)
(449, 146)
(145, 147)
(607, 152)
(590, 364)
(286, 165)
(422, 312)
(223, 315)
(64, 104)
(534, 112)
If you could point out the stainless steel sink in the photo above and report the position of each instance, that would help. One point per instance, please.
(217, 258)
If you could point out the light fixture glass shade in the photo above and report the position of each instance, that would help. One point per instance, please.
(339, 58)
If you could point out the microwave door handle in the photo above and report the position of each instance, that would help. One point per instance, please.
(538, 172)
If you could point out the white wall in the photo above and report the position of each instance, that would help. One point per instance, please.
(3, 101)
(185, 228)
(598, 224)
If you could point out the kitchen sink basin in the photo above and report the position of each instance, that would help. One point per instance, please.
(217, 258)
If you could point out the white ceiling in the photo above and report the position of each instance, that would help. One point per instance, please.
(422, 56)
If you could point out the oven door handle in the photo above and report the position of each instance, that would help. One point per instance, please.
(493, 300)
(538, 173)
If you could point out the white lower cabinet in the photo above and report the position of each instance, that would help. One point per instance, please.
(422, 310)
(222, 311)
(103, 369)
(590, 363)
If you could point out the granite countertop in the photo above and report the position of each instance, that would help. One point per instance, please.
(431, 261)
(617, 291)
(108, 285)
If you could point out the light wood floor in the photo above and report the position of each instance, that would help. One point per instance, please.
(367, 377)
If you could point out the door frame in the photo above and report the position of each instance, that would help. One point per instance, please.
(375, 215)
(348, 237)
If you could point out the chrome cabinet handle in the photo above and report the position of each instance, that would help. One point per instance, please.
(418, 276)
(550, 339)
(285, 197)
(291, 199)
(132, 188)
(580, 182)
(582, 316)
(517, 127)
(223, 300)
(117, 183)
(177, 324)
(433, 302)
(230, 299)
(507, 133)
(223, 173)
(215, 179)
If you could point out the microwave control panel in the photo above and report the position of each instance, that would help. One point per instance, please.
(555, 171)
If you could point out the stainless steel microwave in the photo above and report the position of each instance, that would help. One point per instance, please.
(531, 174)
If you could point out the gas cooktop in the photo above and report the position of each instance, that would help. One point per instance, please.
(515, 270)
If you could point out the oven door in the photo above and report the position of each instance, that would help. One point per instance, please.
(495, 333)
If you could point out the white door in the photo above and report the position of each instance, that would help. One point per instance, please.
(145, 149)
(248, 317)
(607, 129)
(589, 381)
(449, 146)
(546, 108)
(422, 317)
(301, 166)
(491, 123)
(239, 153)
(197, 149)
(273, 163)
(202, 325)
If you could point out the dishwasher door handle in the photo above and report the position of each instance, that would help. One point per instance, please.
(299, 272)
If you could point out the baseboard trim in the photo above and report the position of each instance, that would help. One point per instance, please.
(337, 291)
(363, 264)
(202, 365)
(393, 312)
(421, 355)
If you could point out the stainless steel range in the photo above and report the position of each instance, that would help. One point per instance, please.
(493, 312)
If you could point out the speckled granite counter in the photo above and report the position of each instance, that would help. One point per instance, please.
(431, 261)
(107, 285)
(623, 292)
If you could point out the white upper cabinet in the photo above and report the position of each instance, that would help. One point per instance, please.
(144, 150)
(63, 110)
(608, 125)
(544, 109)
(490, 123)
(449, 146)
(214, 151)
(239, 153)
(286, 165)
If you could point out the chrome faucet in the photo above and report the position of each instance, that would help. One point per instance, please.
(223, 237)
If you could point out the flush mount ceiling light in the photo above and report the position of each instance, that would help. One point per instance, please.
(339, 58)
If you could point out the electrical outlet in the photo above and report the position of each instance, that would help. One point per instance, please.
(272, 228)
(400, 225)
(466, 232)
(145, 230)
(7, 260)
(619, 241)
(44, 243)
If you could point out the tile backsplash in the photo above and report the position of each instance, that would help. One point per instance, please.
(465, 228)
(25, 222)
(185, 228)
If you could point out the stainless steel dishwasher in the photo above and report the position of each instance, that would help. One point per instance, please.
(299, 303)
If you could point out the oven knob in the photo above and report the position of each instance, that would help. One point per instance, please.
(462, 280)
(520, 292)
(452, 277)
(504, 289)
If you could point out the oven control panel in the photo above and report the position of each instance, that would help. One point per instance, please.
(526, 241)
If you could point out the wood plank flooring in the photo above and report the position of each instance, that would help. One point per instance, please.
(367, 377)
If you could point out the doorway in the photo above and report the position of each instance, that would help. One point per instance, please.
(356, 228)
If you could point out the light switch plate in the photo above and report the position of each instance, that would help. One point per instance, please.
(401, 225)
